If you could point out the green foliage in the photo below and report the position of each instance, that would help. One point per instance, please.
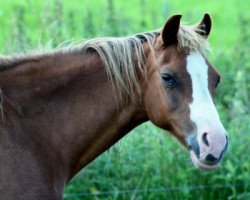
(148, 158)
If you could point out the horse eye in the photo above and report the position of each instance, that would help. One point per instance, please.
(168, 80)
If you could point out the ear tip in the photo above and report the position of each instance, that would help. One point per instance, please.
(174, 19)
(177, 16)
(207, 17)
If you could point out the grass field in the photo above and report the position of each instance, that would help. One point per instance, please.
(148, 163)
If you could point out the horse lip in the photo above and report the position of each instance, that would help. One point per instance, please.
(202, 165)
(210, 163)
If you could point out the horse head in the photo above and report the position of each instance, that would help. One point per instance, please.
(179, 91)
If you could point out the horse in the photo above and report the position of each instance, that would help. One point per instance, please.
(61, 109)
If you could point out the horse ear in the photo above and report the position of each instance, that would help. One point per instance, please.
(205, 25)
(170, 30)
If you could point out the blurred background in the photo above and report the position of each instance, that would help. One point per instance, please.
(148, 163)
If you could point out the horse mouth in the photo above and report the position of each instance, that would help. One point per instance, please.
(202, 165)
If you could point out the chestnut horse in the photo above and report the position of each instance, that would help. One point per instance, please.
(61, 109)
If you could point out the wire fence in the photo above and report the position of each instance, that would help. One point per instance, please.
(151, 190)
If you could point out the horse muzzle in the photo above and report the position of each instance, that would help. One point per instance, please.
(207, 150)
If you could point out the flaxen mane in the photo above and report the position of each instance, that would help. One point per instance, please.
(118, 55)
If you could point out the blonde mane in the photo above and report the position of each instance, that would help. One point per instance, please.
(118, 57)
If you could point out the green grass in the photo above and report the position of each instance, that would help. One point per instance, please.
(149, 158)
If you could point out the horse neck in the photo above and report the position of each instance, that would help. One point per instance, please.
(105, 120)
(71, 105)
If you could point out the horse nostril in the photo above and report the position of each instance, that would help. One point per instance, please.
(204, 139)
(211, 160)
(193, 144)
(226, 146)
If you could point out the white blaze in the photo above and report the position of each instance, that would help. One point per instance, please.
(202, 110)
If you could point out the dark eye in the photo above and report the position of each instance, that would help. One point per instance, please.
(168, 80)
(217, 83)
